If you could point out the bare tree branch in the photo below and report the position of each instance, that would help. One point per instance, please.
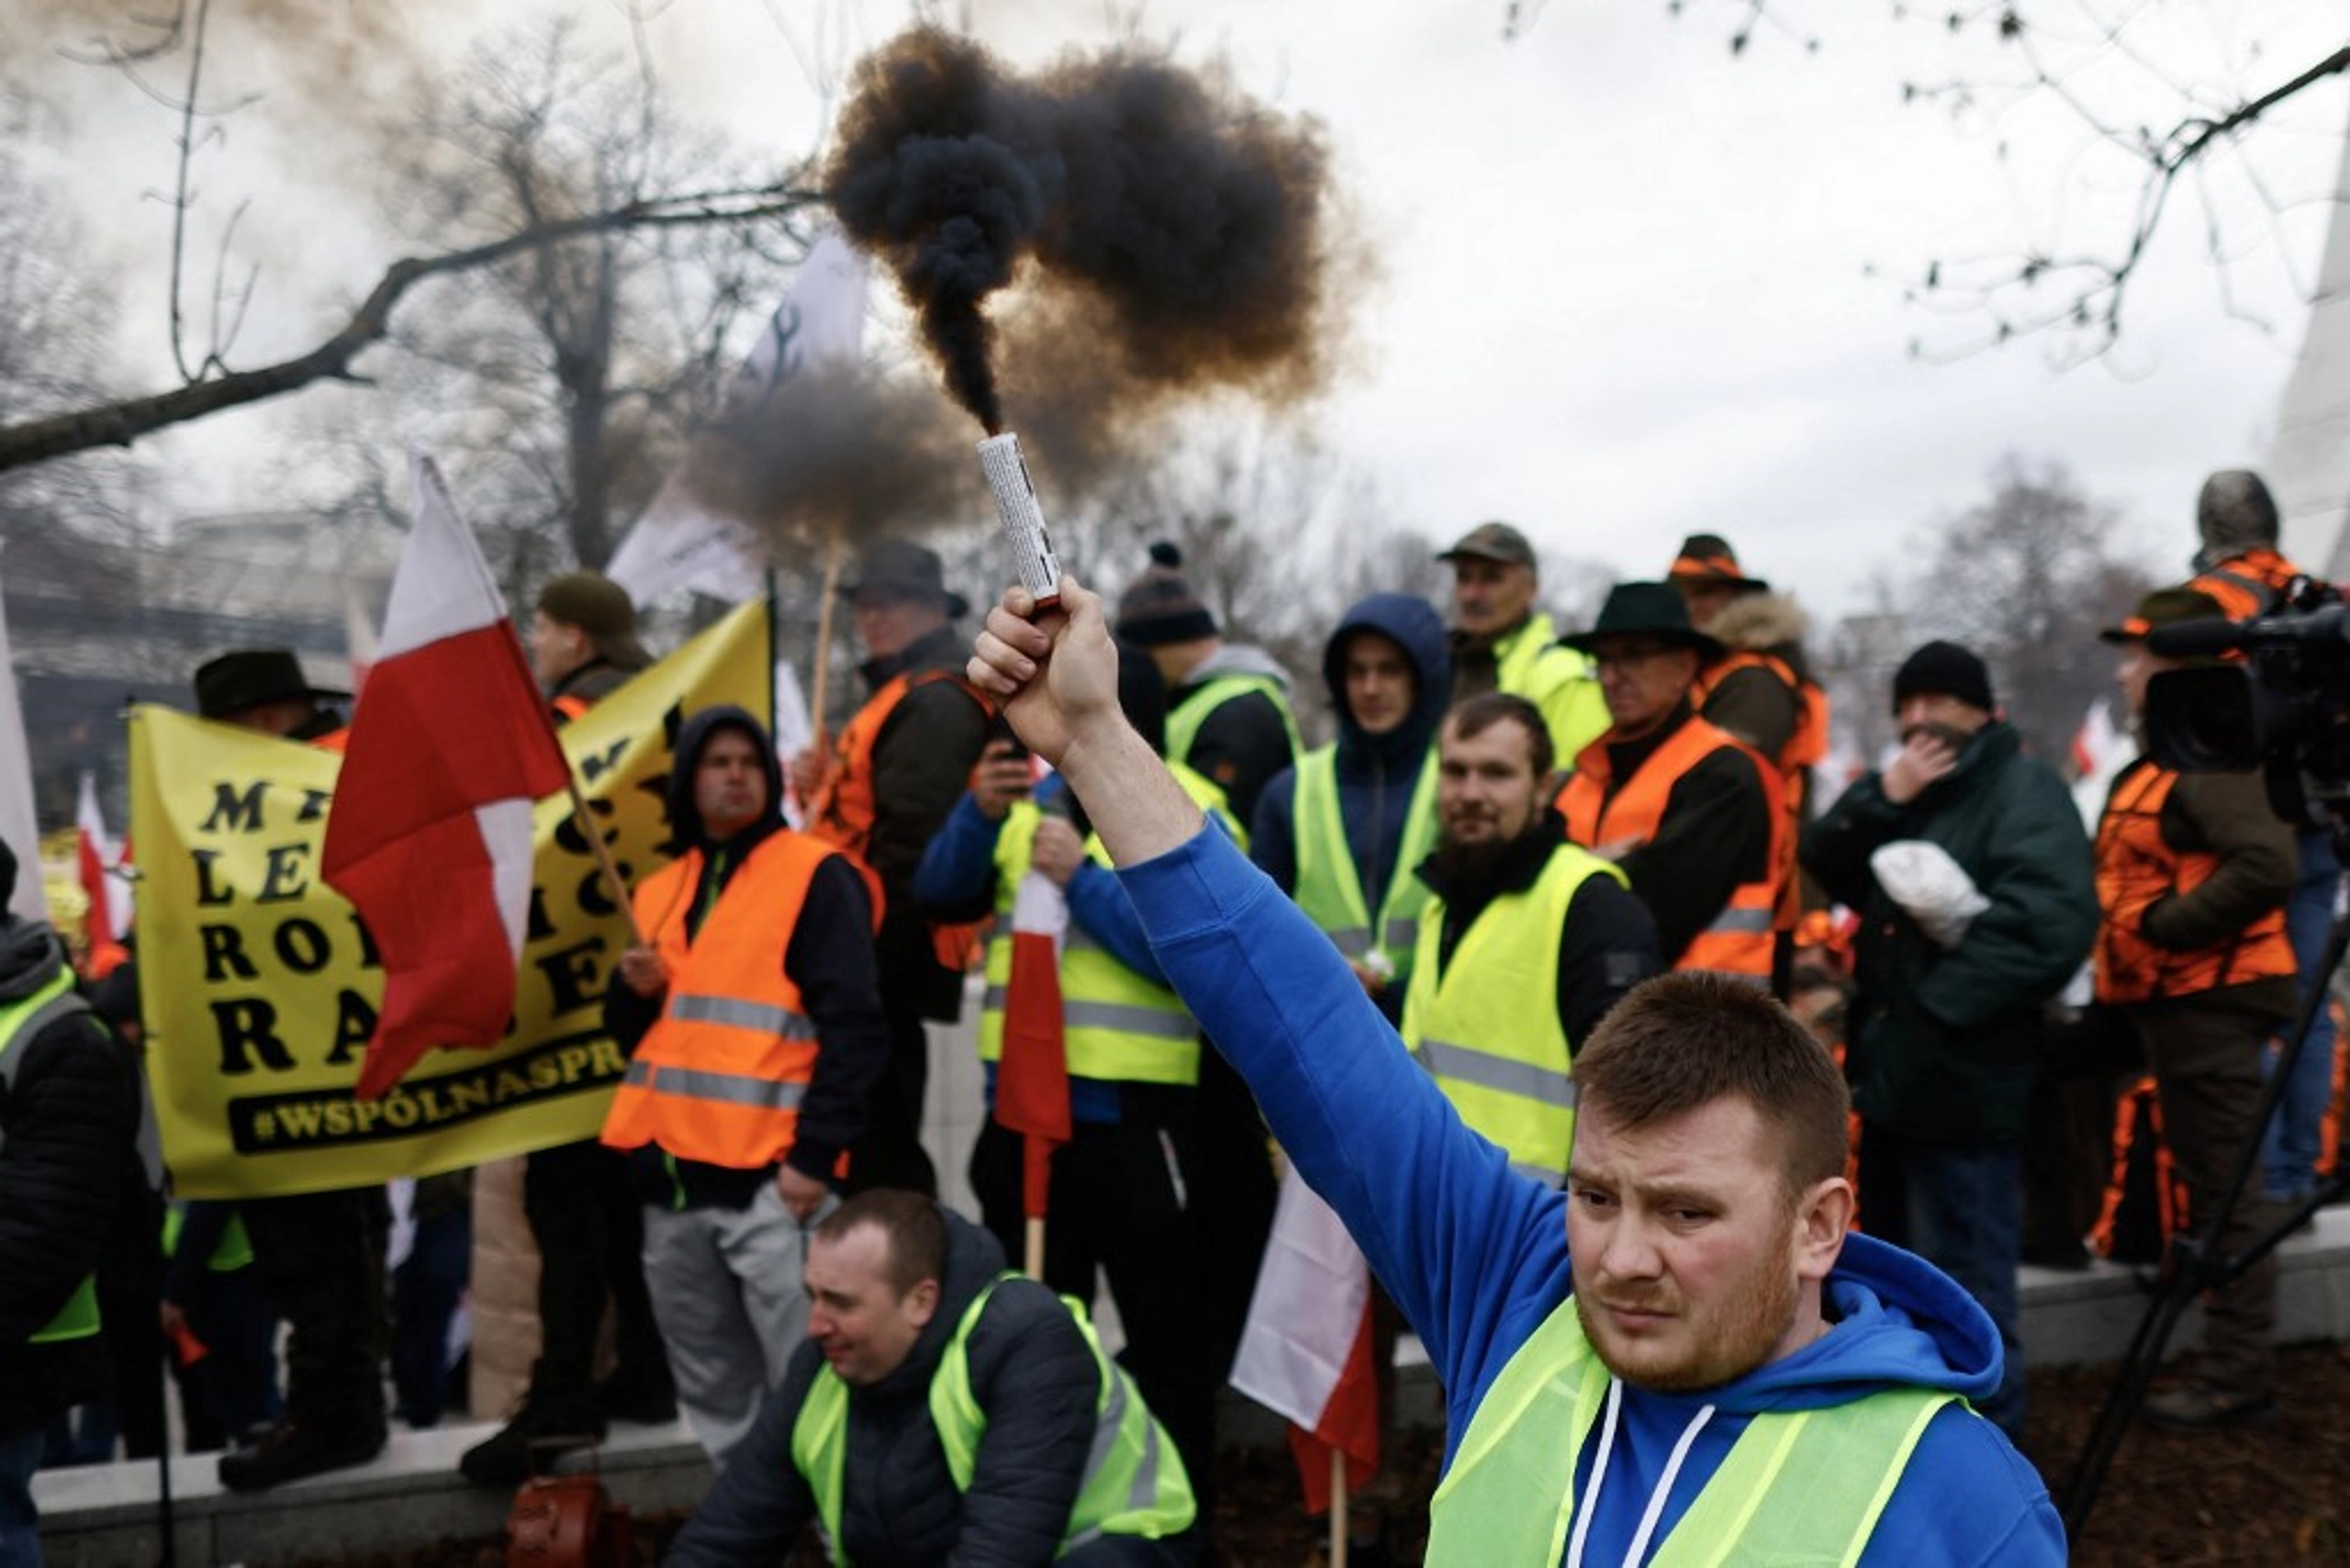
(119, 423)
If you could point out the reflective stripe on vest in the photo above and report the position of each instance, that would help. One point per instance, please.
(1486, 1026)
(2136, 870)
(720, 1075)
(1805, 1486)
(19, 1023)
(1738, 939)
(1117, 1025)
(1186, 716)
(1329, 890)
(1134, 1481)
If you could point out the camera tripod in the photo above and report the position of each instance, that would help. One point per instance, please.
(2195, 1262)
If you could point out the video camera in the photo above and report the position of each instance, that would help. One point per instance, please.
(2285, 708)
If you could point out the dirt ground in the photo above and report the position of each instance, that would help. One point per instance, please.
(2249, 1497)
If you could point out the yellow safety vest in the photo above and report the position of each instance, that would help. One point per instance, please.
(1797, 1486)
(1486, 1026)
(1134, 1481)
(78, 1318)
(1183, 723)
(1531, 663)
(1329, 890)
(1115, 1026)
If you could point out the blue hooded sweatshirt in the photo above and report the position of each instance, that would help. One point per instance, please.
(1476, 1255)
(1375, 773)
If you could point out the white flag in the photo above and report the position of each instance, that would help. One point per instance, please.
(18, 826)
(680, 544)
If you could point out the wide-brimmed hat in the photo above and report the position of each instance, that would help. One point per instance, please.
(600, 606)
(908, 570)
(1708, 558)
(2164, 607)
(247, 678)
(1492, 542)
(1650, 609)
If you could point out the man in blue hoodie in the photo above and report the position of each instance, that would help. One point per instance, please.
(1685, 1355)
(1342, 830)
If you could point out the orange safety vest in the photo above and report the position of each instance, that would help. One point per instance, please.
(843, 810)
(2134, 869)
(720, 1075)
(1739, 940)
(1805, 747)
(2247, 584)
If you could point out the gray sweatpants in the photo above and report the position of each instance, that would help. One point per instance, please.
(728, 1296)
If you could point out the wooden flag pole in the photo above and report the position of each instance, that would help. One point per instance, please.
(1033, 1263)
(1338, 1508)
(834, 548)
(603, 852)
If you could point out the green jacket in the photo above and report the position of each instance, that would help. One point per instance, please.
(1943, 1044)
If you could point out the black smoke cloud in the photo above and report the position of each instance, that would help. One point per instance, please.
(1172, 236)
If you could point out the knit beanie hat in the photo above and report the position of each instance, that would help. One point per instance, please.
(1944, 669)
(1160, 607)
(2235, 513)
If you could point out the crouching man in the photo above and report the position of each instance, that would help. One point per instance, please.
(943, 1410)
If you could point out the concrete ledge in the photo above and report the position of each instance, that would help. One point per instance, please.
(410, 1494)
(2070, 1319)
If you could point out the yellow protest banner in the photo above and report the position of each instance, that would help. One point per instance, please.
(259, 987)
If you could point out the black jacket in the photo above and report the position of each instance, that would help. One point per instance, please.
(1035, 1377)
(70, 1121)
(829, 958)
(1943, 1046)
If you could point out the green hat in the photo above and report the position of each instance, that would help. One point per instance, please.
(1651, 610)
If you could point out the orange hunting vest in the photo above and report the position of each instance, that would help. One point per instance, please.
(843, 810)
(2134, 869)
(1739, 940)
(1806, 747)
(720, 1075)
(2247, 584)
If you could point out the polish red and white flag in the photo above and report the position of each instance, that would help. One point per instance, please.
(100, 863)
(1305, 1352)
(430, 833)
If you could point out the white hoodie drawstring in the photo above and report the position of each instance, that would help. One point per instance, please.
(1589, 1504)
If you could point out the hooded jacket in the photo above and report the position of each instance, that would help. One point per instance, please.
(1035, 1377)
(1476, 1256)
(69, 1122)
(1944, 1043)
(1245, 740)
(829, 958)
(1376, 774)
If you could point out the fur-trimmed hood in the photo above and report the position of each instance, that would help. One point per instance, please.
(1761, 622)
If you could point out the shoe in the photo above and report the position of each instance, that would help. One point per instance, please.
(288, 1452)
(648, 1400)
(2199, 1406)
(541, 1430)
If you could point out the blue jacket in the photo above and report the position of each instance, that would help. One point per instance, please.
(1375, 773)
(1476, 1256)
(957, 874)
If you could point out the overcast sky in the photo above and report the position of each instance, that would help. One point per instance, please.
(1626, 291)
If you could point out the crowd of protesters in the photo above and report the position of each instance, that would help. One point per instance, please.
(1512, 830)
